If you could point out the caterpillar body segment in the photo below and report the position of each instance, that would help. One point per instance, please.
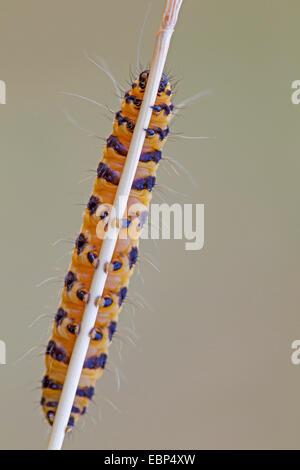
(85, 258)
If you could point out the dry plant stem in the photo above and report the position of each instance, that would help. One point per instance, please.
(162, 43)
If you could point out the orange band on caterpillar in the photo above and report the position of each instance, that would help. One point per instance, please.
(85, 258)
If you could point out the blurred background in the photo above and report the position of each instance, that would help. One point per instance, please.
(212, 363)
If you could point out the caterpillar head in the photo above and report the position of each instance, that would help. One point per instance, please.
(141, 83)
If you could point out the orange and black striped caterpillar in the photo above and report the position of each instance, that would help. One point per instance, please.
(85, 258)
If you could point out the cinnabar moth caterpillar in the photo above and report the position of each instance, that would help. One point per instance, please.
(85, 256)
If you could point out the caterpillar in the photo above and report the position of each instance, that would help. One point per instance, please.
(85, 257)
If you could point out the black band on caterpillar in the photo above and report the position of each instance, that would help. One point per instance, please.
(113, 142)
(125, 120)
(70, 279)
(111, 176)
(80, 243)
(112, 329)
(122, 295)
(87, 392)
(163, 107)
(93, 205)
(61, 314)
(151, 156)
(144, 183)
(50, 383)
(57, 353)
(162, 133)
(95, 362)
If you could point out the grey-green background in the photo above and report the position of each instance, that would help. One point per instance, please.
(211, 367)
